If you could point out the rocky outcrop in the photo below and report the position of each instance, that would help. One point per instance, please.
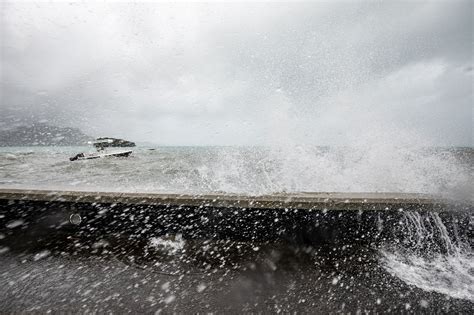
(105, 142)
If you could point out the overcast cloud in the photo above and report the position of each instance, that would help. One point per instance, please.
(243, 73)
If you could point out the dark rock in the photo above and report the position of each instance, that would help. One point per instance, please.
(105, 142)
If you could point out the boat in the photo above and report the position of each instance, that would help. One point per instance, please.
(91, 156)
(101, 144)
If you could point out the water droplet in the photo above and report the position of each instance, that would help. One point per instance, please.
(43, 254)
(201, 287)
(15, 224)
(170, 299)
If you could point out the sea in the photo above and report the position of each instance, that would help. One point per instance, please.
(245, 170)
(250, 277)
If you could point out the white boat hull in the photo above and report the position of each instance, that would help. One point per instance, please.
(92, 156)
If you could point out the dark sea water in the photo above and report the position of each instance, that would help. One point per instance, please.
(434, 274)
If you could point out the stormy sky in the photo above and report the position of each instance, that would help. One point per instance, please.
(221, 73)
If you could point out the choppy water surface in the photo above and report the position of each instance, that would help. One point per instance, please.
(244, 170)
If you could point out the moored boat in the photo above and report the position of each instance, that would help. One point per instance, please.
(91, 156)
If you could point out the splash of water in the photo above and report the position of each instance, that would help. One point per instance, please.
(349, 169)
(432, 257)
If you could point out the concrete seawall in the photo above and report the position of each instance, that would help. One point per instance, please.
(307, 201)
(308, 217)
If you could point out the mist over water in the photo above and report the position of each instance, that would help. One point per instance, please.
(363, 74)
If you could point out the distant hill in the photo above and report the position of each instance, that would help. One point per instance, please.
(40, 134)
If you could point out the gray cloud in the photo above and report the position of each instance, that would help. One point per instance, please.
(227, 73)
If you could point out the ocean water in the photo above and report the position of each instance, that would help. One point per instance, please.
(424, 269)
(246, 170)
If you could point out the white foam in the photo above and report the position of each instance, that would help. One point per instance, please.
(446, 274)
(431, 259)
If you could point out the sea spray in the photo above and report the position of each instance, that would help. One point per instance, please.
(432, 255)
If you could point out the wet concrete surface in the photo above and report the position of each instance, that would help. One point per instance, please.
(176, 259)
(206, 276)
